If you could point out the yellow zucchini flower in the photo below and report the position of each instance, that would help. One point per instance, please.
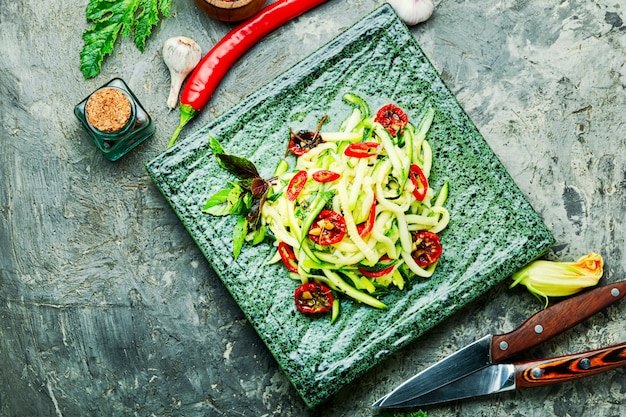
(559, 279)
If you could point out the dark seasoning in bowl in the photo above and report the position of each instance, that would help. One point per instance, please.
(114, 119)
(230, 10)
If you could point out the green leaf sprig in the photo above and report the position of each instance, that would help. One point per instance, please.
(244, 197)
(109, 18)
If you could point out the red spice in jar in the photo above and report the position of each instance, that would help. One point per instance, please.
(108, 110)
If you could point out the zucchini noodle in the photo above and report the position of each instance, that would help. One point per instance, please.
(377, 195)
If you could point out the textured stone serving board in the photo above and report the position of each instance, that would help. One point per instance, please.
(493, 230)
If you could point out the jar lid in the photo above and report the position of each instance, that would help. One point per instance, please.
(108, 110)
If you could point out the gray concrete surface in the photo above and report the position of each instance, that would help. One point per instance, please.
(108, 308)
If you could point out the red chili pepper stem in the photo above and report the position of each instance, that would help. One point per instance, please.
(186, 114)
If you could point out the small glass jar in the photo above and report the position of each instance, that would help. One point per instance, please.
(114, 119)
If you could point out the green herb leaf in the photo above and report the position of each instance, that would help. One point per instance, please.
(232, 200)
(217, 149)
(246, 197)
(218, 204)
(239, 235)
(258, 235)
(236, 199)
(109, 19)
(246, 200)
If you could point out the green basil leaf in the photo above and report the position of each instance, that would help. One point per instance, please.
(258, 235)
(232, 200)
(237, 199)
(217, 149)
(239, 235)
(218, 204)
(246, 202)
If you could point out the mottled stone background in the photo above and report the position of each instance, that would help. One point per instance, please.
(107, 307)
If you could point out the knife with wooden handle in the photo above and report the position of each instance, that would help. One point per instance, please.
(554, 320)
(506, 377)
(569, 367)
(492, 349)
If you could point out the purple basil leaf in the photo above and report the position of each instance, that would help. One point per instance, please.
(238, 166)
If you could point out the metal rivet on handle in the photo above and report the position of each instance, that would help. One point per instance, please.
(585, 363)
(615, 292)
(536, 373)
(504, 345)
(539, 329)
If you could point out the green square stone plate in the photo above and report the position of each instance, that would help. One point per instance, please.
(493, 230)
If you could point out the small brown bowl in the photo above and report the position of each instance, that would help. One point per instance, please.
(230, 11)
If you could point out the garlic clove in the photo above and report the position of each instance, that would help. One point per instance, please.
(181, 55)
(413, 12)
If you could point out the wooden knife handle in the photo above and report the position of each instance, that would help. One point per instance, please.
(555, 319)
(566, 368)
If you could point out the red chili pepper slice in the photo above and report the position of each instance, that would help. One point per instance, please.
(328, 228)
(362, 149)
(296, 185)
(385, 266)
(420, 182)
(325, 175)
(426, 248)
(367, 226)
(288, 257)
(217, 62)
(313, 298)
(393, 118)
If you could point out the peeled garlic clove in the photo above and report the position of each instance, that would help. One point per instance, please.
(181, 55)
(413, 12)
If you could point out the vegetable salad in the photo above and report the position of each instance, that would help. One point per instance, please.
(356, 213)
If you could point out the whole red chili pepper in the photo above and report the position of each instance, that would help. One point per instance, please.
(207, 75)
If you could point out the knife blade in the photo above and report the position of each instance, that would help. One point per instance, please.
(499, 378)
(492, 349)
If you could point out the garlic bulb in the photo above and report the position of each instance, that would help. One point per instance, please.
(413, 12)
(181, 55)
